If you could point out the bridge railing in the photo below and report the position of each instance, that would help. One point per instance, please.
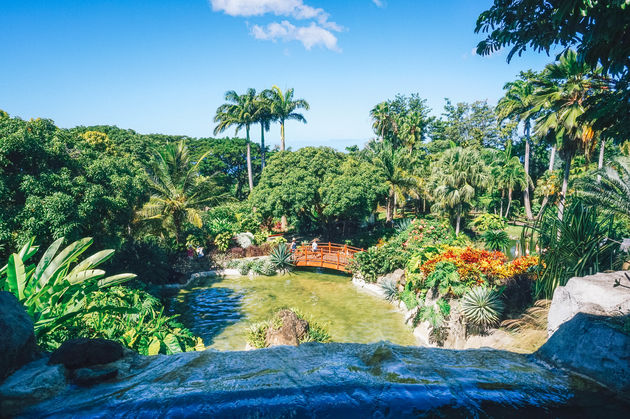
(328, 255)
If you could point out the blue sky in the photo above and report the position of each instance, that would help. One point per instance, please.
(164, 65)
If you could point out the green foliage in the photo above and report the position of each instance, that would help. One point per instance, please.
(496, 240)
(446, 280)
(482, 307)
(486, 221)
(55, 289)
(409, 298)
(139, 324)
(244, 267)
(282, 258)
(577, 244)
(223, 240)
(54, 184)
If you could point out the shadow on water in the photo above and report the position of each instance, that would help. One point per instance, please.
(207, 312)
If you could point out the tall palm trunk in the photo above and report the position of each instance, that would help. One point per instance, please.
(552, 158)
(507, 211)
(502, 196)
(262, 145)
(282, 135)
(565, 184)
(458, 220)
(390, 206)
(250, 175)
(600, 163)
(526, 201)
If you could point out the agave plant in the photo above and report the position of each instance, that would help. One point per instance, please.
(482, 307)
(282, 258)
(496, 239)
(390, 289)
(55, 290)
(402, 225)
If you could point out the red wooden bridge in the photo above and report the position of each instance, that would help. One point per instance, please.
(328, 255)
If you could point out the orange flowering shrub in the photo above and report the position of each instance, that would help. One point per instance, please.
(475, 266)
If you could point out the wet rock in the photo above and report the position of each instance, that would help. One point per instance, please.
(79, 353)
(594, 294)
(17, 341)
(31, 384)
(91, 376)
(335, 380)
(594, 346)
(286, 329)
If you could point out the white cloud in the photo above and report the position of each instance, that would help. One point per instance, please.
(318, 32)
(309, 36)
(379, 3)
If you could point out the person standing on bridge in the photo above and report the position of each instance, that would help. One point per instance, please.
(293, 245)
(314, 245)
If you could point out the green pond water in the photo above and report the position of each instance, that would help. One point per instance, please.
(222, 311)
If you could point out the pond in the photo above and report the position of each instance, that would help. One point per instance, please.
(222, 311)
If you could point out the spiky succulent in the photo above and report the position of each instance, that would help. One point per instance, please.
(482, 307)
(282, 258)
(390, 289)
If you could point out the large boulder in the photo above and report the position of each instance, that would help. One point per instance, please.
(17, 341)
(81, 353)
(594, 294)
(286, 329)
(594, 346)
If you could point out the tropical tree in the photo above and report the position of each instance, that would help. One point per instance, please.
(563, 89)
(264, 117)
(612, 192)
(283, 108)
(240, 111)
(509, 174)
(457, 176)
(517, 105)
(392, 164)
(179, 194)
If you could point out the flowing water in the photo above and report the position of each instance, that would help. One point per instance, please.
(222, 311)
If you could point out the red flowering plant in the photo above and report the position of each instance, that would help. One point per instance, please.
(474, 266)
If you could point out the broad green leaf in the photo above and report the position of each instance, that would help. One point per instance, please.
(172, 344)
(63, 259)
(93, 261)
(115, 279)
(16, 277)
(82, 276)
(47, 257)
(154, 347)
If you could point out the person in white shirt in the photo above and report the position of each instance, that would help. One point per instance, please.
(314, 246)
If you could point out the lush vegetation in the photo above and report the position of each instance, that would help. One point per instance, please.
(315, 332)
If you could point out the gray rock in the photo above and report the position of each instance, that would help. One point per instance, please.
(292, 329)
(79, 353)
(17, 341)
(91, 376)
(593, 346)
(594, 294)
(398, 277)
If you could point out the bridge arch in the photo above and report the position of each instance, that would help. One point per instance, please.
(328, 255)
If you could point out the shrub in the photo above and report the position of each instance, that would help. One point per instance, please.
(484, 222)
(282, 258)
(409, 298)
(482, 307)
(446, 279)
(222, 241)
(245, 240)
(54, 291)
(268, 268)
(496, 240)
(244, 267)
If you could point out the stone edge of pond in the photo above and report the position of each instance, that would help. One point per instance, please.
(199, 276)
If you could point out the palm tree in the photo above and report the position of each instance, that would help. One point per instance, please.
(178, 193)
(563, 89)
(240, 111)
(283, 108)
(393, 163)
(517, 105)
(508, 175)
(612, 192)
(264, 117)
(458, 175)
